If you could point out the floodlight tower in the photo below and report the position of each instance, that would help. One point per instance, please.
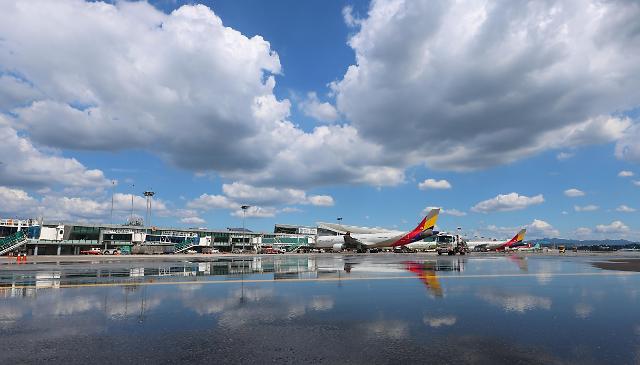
(149, 194)
(244, 217)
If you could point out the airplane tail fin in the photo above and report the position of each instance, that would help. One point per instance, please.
(518, 237)
(429, 221)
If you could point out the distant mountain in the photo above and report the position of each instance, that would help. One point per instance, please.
(574, 242)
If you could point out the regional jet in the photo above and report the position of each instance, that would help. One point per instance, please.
(497, 245)
(365, 241)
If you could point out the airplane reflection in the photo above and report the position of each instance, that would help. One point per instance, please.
(426, 272)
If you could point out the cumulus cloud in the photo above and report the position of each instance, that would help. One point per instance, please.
(625, 173)
(316, 109)
(256, 212)
(321, 200)
(207, 202)
(193, 220)
(24, 165)
(53, 206)
(573, 193)
(476, 84)
(434, 184)
(615, 227)
(263, 200)
(181, 85)
(625, 209)
(453, 212)
(507, 202)
(540, 228)
(585, 208)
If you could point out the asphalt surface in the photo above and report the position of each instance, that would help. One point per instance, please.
(326, 308)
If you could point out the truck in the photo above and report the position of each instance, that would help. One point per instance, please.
(451, 244)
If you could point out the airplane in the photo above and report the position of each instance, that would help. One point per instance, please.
(498, 245)
(365, 241)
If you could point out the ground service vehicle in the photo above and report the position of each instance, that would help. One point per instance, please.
(451, 244)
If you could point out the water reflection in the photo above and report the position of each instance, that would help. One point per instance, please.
(489, 316)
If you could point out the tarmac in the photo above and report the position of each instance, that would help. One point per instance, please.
(322, 308)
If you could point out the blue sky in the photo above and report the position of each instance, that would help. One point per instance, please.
(343, 109)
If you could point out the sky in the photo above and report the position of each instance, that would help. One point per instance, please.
(504, 114)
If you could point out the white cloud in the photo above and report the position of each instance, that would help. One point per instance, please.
(625, 173)
(349, 18)
(512, 78)
(263, 200)
(564, 156)
(540, 228)
(208, 202)
(171, 75)
(507, 202)
(248, 194)
(625, 209)
(583, 232)
(434, 184)
(585, 208)
(14, 201)
(321, 200)
(573, 193)
(193, 220)
(53, 206)
(452, 212)
(615, 227)
(636, 182)
(256, 212)
(316, 109)
(22, 164)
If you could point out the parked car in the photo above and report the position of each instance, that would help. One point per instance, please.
(192, 251)
(91, 251)
(215, 250)
(111, 251)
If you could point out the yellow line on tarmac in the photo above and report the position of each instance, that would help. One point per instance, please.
(330, 279)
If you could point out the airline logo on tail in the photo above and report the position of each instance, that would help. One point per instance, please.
(424, 229)
(430, 220)
(518, 238)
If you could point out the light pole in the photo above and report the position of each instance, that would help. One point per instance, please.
(244, 216)
(149, 194)
(132, 188)
(113, 188)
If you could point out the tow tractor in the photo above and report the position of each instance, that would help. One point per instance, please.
(451, 244)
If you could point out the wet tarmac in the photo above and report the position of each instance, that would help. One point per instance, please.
(335, 309)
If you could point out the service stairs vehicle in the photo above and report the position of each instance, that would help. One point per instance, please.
(188, 243)
(12, 242)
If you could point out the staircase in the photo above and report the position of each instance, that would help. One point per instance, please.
(296, 246)
(187, 244)
(10, 243)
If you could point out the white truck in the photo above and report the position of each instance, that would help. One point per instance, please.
(451, 244)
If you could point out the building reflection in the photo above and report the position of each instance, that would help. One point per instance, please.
(233, 268)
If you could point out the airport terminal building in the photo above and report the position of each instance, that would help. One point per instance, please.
(54, 238)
